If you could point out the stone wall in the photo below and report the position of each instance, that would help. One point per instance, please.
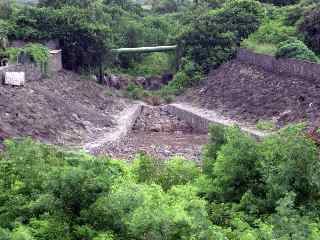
(291, 67)
(33, 72)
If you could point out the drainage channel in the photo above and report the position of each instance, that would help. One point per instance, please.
(159, 134)
(163, 132)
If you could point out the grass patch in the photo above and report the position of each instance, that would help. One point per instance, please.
(263, 48)
(265, 125)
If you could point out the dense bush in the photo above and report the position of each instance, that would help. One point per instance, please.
(290, 164)
(178, 171)
(272, 32)
(280, 2)
(235, 169)
(310, 28)
(241, 17)
(294, 48)
(254, 190)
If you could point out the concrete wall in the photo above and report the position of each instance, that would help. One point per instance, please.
(200, 119)
(55, 61)
(33, 72)
(291, 67)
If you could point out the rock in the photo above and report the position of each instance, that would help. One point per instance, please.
(114, 81)
(156, 128)
(166, 78)
(283, 118)
(141, 81)
(154, 83)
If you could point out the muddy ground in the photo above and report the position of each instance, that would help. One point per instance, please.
(249, 93)
(160, 134)
(62, 110)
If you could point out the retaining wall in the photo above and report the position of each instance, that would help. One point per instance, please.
(200, 119)
(291, 67)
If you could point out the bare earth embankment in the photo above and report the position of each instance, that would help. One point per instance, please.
(248, 93)
(64, 110)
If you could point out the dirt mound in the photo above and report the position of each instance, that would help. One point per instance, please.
(63, 110)
(249, 93)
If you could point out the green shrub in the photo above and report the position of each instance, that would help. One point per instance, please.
(21, 233)
(235, 169)
(38, 53)
(52, 228)
(83, 39)
(178, 171)
(152, 65)
(217, 138)
(290, 162)
(4, 234)
(241, 17)
(146, 168)
(294, 48)
(104, 236)
(272, 32)
(135, 91)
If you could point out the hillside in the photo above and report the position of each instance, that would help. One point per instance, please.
(250, 93)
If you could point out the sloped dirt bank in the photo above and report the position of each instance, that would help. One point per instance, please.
(64, 110)
(249, 93)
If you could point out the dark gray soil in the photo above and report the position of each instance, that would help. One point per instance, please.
(62, 110)
(249, 93)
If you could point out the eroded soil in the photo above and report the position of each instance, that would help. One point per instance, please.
(63, 110)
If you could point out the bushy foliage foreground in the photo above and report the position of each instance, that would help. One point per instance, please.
(245, 190)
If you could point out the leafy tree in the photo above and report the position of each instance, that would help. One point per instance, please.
(241, 17)
(5, 9)
(84, 41)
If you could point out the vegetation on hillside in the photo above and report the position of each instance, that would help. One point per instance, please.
(245, 190)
